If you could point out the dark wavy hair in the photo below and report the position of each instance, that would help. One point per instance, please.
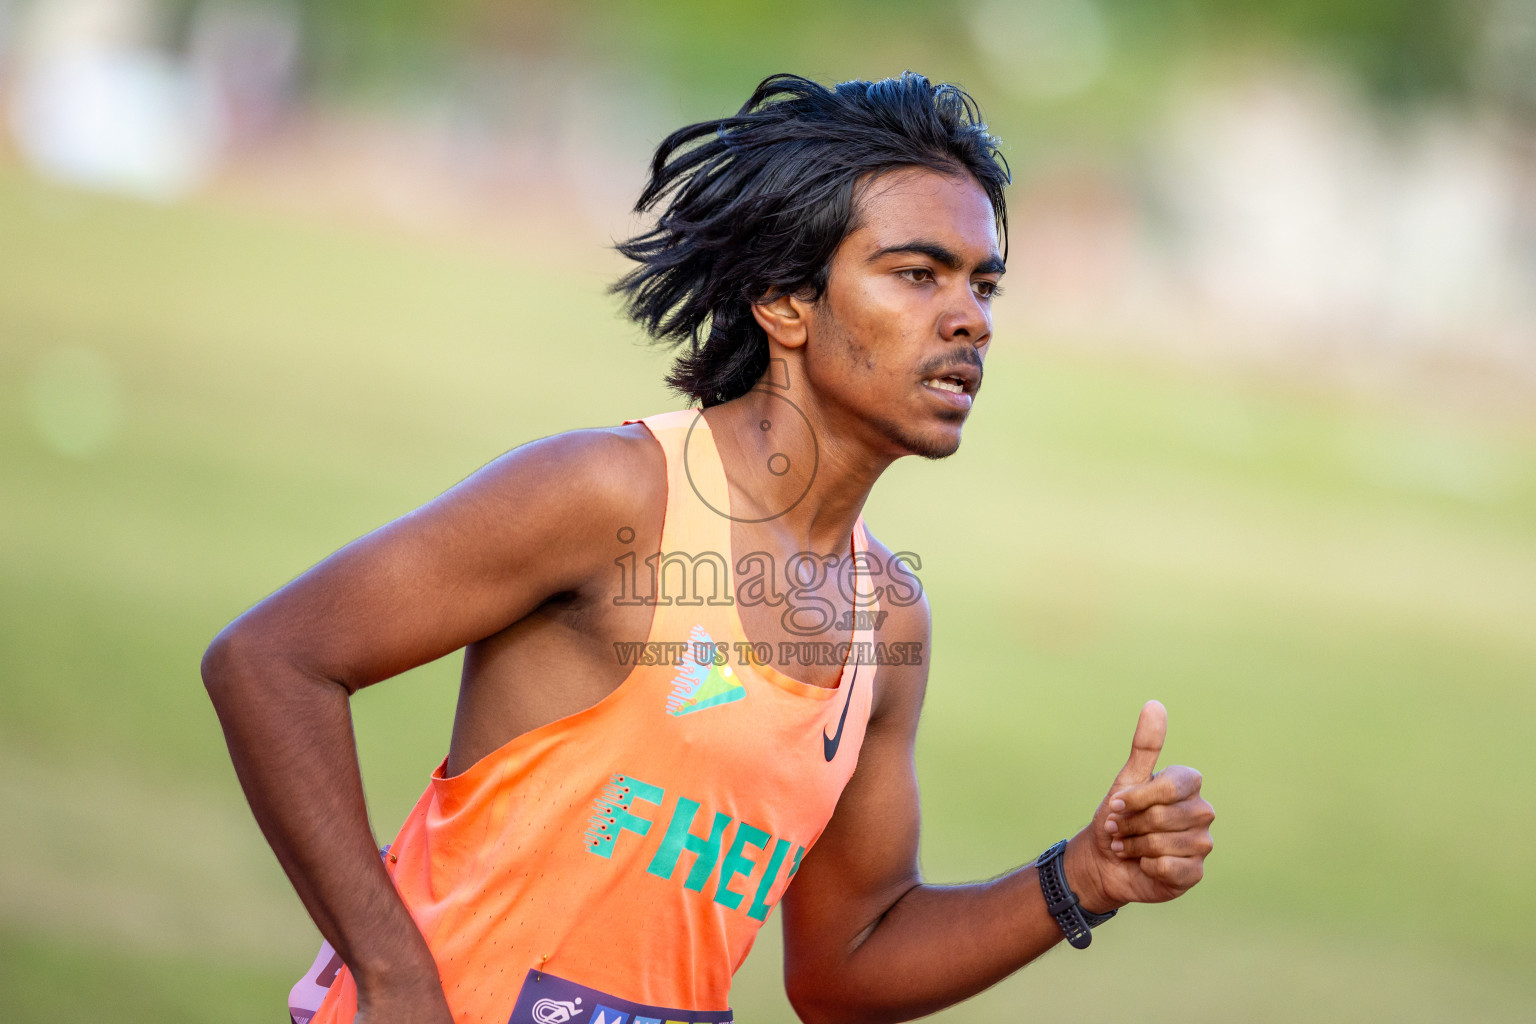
(756, 204)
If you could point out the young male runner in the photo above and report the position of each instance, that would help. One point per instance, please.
(692, 677)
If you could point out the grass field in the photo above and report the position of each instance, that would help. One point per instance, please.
(1337, 603)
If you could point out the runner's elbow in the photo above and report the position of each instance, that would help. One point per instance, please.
(847, 995)
(821, 1012)
(250, 664)
(222, 660)
(817, 1001)
(806, 1006)
(236, 659)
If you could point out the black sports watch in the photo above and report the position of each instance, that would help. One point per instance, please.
(1076, 923)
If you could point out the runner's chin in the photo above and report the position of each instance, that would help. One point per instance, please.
(930, 436)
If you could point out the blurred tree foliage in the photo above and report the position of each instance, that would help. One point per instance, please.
(1401, 50)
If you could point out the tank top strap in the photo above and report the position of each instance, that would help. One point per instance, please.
(693, 583)
(868, 599)
(697, 517)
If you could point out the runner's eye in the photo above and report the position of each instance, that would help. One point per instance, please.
(987, 289)
(917, 275)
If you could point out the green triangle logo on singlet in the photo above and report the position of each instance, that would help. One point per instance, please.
(719, 687)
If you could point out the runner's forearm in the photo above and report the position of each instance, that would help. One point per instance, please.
(935, 946)
(290, 738)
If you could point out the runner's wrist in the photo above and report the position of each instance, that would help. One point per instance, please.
(396, 971)
(1084, 878)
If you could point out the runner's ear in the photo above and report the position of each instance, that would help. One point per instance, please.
(783, 319)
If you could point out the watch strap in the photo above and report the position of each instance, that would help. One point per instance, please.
(1076, 923)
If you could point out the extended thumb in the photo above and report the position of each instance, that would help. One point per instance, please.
(1146, 746)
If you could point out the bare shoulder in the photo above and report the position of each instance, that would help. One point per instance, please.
(539, 514)
(596, 466)
(901, 594)
(464, 566)
(907, 621)
(568, 486)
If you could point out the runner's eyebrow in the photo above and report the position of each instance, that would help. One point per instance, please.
(993, 264)
(940, 254)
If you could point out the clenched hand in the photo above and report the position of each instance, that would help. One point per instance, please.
(1149, 838)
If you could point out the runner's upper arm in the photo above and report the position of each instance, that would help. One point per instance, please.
(866, 859)
(460, 568)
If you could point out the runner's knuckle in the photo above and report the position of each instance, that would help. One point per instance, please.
(1189, 781)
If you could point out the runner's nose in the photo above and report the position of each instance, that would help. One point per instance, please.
(967, 319)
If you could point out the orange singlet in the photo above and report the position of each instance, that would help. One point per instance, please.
(613, 867)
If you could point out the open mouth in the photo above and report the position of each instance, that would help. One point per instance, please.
(951, 384)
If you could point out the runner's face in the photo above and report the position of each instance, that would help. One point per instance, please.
(902, 330)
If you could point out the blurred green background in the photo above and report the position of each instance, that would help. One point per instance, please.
(1305, 522)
